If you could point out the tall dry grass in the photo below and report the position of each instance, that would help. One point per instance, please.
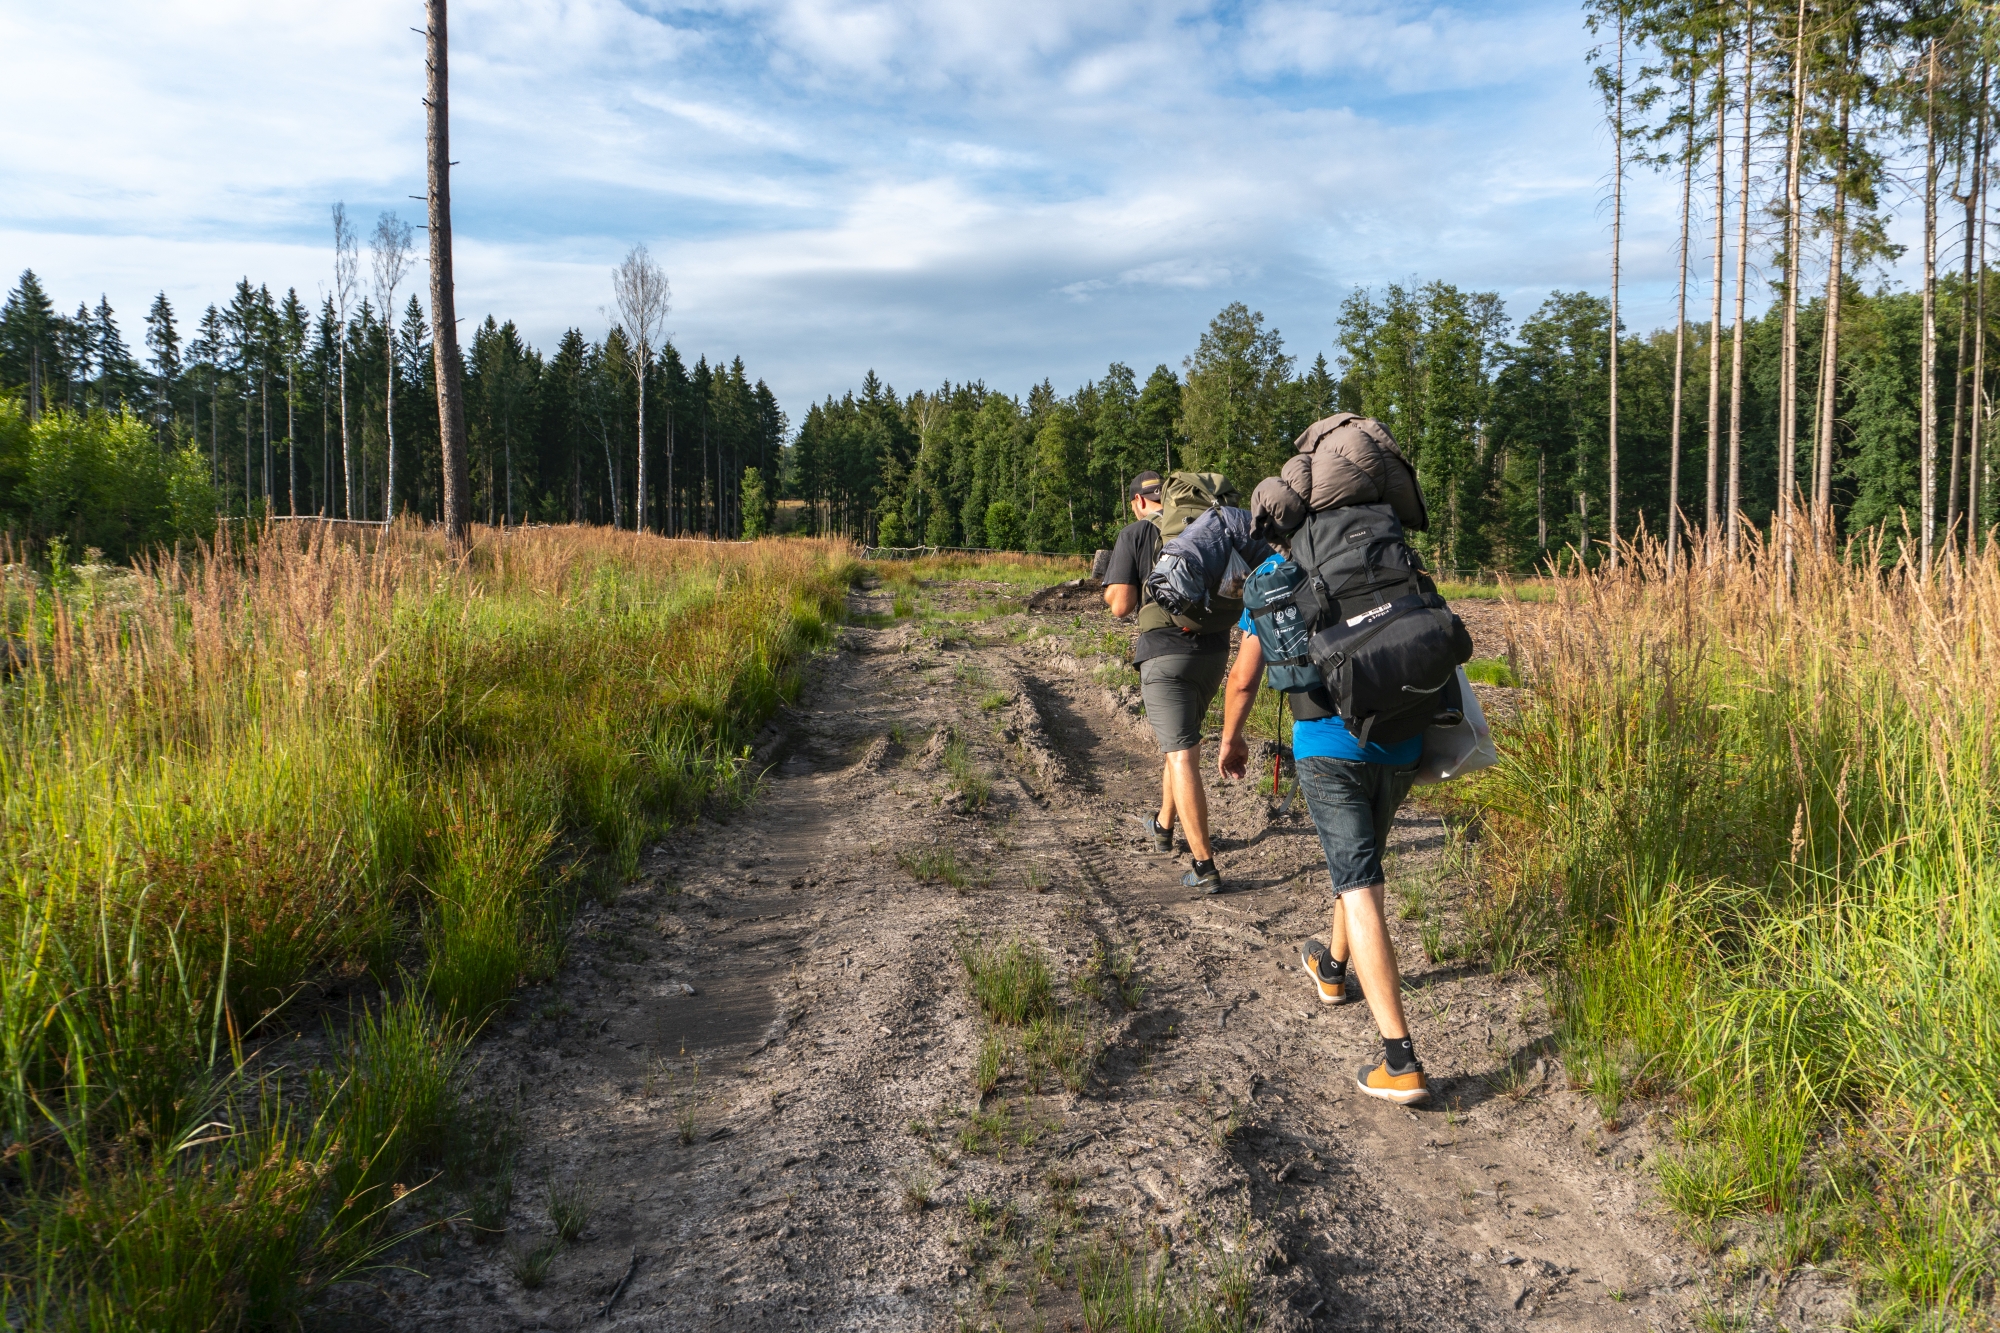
(228, 775)
(1748, 817)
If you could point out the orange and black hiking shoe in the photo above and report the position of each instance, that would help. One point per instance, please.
(1317, 960)
(1402, 1089)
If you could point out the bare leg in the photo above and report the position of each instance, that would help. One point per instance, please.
(1336, 934)
(1375, 959)
(1189, 799)
(1166, 818)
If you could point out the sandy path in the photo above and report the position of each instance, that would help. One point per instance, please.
(824, 1058)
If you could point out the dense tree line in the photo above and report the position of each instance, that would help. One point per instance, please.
(256, 386)
(1507, 424)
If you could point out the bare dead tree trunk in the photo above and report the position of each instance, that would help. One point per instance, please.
(344, 260)
(1742, 284)
(1680, 336)
(1715, 308)
(1927, 428)
(449, 368)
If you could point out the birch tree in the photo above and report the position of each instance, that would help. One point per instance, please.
(643, 296)
(346, 265)
(390, 252)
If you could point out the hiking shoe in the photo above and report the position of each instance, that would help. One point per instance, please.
(1208, 880)
(1402, 1089)
(1317, 960)
(1162, 839)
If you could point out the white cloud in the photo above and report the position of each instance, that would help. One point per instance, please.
(958, 188)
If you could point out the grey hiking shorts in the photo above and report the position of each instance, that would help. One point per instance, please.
(1177, 691)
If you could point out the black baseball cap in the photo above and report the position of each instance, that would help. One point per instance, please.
(1146, 484)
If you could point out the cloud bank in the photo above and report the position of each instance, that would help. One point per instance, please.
(939, 190)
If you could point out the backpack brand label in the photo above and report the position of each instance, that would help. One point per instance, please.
(1369, 615)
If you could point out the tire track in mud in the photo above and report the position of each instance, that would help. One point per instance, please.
(792, 1145)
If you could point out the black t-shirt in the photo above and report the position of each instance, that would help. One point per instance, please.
(1132, 559)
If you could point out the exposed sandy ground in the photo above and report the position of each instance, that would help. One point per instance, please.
(787, 952)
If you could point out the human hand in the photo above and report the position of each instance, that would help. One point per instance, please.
(1232, 757)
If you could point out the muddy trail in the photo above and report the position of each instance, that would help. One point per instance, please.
(755, 1089)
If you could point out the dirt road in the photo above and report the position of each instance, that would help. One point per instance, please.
(759, 1069)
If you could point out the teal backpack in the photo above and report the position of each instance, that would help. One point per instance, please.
(1270, 596)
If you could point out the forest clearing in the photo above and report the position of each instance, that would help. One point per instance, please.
(585, 929)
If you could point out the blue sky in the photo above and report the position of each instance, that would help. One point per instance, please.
(933, 188)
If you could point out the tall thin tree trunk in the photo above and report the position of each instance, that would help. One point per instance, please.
(264, 392)
(325, 455)
(1829, 397)
(1713, 499)
(1962, 389)
(449, 369)
(1927, 428)
(291, 443)
(1617, 219)
(1742, 284)
(673, 526)
(389, 426)
(1680, 338)
(1788, 394)
(1973, 490)
(1542, 501)
(639, 509)
(346, 447)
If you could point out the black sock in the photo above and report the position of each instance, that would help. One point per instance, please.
(1337, 967)
(1401, 1054)
(1203, 867)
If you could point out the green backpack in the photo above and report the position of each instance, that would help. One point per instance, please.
(1185, 497)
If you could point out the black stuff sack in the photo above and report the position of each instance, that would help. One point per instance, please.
(1387, 667)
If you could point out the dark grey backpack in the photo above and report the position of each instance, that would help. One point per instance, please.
(1385, 644)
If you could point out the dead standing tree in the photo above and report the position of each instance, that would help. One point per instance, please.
(390, 250)
(346, 260)
(449, 368)
(640, 288)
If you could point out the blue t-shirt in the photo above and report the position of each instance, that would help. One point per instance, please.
(1327, 737)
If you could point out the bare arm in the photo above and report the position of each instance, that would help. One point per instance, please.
(1122, 598)
(1238, 693)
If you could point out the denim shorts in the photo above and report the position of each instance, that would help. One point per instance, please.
(1177, 691)
(1352, 804)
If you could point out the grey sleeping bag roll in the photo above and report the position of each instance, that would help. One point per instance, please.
(1208, 559)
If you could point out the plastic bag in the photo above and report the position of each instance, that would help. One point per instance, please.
(1233, 574)
(1465, 747)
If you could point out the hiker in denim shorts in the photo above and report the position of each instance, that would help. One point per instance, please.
(1352, 791)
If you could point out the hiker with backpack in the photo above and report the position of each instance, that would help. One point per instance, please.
(1181, 658)
(1367, 655)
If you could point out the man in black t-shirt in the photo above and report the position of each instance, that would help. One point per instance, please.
(1179, 673)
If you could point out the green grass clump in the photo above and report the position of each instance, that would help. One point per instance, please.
(1491, 671)
(1748, 820)
(971, 782)
(1011, 981)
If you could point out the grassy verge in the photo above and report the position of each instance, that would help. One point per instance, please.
(229, 778)
(1748, 821)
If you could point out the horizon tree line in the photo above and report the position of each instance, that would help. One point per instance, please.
(304, 412)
